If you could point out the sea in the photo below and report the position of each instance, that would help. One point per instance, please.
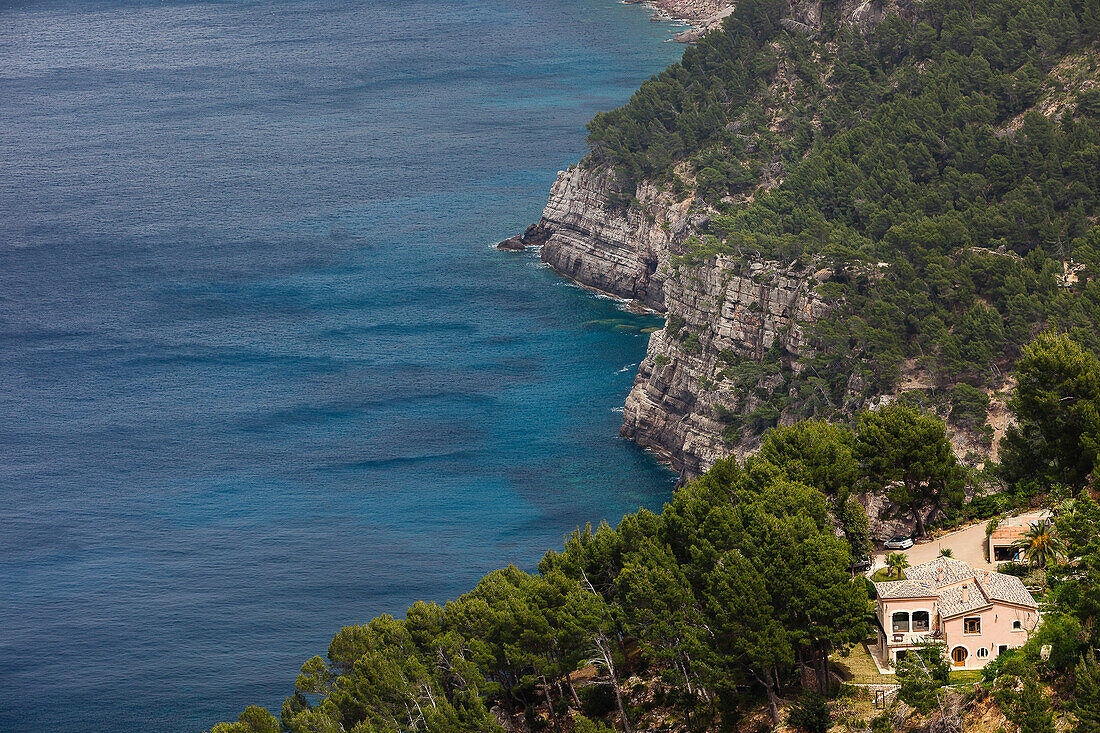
(262, 374)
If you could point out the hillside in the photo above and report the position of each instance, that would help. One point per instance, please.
(836, 205)
(841, 203)
(736, 608)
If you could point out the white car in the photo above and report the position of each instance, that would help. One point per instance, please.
(900, 542)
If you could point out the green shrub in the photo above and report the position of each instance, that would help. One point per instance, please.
(811, 714)
(969, 406)
(597, 700)
(582, 724)
(921, 675)
(882, 724)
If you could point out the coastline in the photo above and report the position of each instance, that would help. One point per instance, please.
(700, 15)
(323, 347)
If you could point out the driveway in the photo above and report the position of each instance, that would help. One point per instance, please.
(967, 544)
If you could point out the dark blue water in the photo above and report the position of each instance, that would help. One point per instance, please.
(260, 373)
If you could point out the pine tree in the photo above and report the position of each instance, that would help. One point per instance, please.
(907, 454)
(1033, 713)
(1086, 695)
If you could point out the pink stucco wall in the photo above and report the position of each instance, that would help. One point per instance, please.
(886, 609)
(996, 630)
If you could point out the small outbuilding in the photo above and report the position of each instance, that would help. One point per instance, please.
(1007, 533)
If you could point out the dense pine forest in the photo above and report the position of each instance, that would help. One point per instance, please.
(944, 165)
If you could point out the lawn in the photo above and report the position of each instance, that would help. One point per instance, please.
(964, 677)
(859, 669)
(884, 574)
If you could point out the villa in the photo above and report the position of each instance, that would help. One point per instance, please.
(976, 614)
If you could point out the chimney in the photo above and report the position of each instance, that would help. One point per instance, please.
(939, 575)
(966, 593)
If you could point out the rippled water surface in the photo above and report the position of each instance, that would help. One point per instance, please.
(260, 373)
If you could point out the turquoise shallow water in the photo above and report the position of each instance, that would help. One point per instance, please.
(262, 374)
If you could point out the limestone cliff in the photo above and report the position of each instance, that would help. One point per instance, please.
(588, 236)
(720, 312)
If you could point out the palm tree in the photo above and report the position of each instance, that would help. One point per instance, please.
(946, 552)
(896, 562)
(1040, 544)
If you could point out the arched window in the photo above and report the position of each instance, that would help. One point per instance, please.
(920, 621)
(958, 655)
(982, 653)
(1017, 625)
(900, 622)
(972, 625)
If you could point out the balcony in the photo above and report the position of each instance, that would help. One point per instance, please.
(911, 638)
(909, 628)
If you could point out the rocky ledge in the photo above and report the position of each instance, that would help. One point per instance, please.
(702, 15)
(591, 238)
(718, 310)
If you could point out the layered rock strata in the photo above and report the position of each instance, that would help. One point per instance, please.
(724, 307)
(588, 236)
(719, 311)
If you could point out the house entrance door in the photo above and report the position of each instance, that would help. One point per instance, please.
(958, 656)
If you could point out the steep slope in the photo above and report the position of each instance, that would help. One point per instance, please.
(587, 236)
(719, 313)
(837, 205)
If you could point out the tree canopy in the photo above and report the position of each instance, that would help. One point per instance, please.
(907, 453)
(1057, 407)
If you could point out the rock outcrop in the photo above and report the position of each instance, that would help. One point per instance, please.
(721, 308)
(590, 237)
(719, 311)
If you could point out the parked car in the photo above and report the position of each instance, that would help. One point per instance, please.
(862, 563)
(899, 542)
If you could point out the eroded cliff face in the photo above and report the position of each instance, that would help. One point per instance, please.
(719, 312)
(589, 237)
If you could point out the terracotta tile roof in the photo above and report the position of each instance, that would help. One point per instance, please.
(905, 589)
(982, 587)
(1005, 588)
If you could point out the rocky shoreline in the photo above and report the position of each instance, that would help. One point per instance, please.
(626, 252)
(701, 15)
(722, 312)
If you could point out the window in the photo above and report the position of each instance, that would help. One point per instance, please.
(900, 622)
(1002, 649)
(920, 620)
(972, 625)
(1017, 625)
(982, 653)
(900, 656)
(958, 656)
